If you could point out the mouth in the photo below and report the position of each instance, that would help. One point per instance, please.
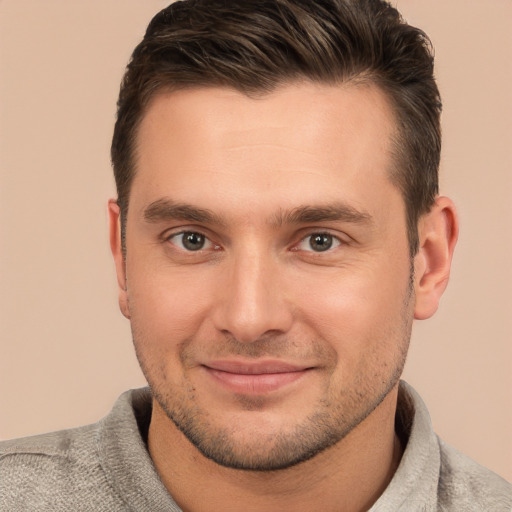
(255, 378)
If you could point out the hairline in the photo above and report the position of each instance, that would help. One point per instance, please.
(362, 79)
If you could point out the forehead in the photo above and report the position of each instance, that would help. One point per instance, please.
(296, 145)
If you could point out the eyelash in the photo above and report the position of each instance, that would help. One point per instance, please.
(182, 234)
(334, 240)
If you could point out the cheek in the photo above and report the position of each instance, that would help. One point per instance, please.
(354, 309)
(166, 313)
(364, 321)
(167, 306)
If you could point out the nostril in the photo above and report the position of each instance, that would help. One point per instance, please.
(250, 304)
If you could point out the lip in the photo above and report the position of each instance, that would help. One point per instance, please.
(255, 378)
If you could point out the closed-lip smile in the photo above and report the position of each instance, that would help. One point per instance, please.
(254, 377)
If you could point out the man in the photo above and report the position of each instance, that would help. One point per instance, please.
(277, 229)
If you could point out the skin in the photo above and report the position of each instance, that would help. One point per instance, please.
(274, 365)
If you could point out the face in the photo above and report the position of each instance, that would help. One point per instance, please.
(267, 272)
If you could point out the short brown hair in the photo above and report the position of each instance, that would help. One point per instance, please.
(256, 45)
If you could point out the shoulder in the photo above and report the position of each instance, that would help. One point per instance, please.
(86, 469)
(466, 485)
(52, 443)
(32, 454)
(50, 471)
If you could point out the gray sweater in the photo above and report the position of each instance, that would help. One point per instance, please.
(106, 467)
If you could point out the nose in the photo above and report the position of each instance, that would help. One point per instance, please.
(252, 299)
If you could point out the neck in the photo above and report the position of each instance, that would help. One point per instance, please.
(349, 476)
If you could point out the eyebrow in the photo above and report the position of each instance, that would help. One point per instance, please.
(331, 212)
(166, 209)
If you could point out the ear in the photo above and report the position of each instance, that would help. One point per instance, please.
(117, 252)
(437, 230)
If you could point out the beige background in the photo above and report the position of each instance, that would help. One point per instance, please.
(65, 350)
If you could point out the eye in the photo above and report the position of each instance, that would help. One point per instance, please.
(190, 241)
(318, 242)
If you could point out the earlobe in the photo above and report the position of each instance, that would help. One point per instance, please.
(117, 253)
(438, 230)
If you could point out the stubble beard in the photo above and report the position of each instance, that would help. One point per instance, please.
(334, 416)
